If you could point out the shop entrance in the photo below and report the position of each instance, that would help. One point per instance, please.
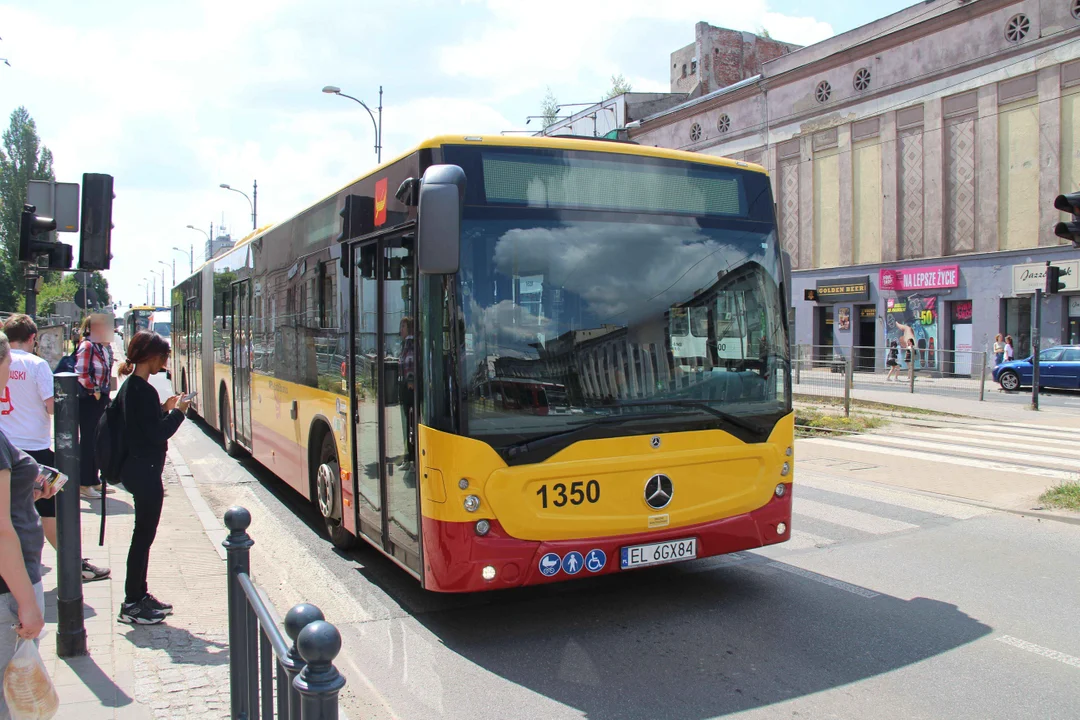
(1074, 320)
(823, 332)
(1017, 315)
(960, 361)
(866, 340)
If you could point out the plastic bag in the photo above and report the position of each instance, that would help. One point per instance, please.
(28, 689)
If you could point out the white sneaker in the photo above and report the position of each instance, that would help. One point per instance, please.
(89, 493)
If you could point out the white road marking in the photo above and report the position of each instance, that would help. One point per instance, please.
(800, 540)
(947, 447)
(911, 501)
(980, 435)
(979, 444)
(950, 459)
(1040, 650)
(825, 580)
(849, 518)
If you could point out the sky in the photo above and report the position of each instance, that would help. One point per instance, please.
(175, 98)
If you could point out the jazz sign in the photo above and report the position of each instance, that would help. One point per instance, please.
(1031, 276)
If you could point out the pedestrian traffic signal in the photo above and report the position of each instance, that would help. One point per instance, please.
(1054, 281)
(95, 238)
(34, 237)
(1069, 203)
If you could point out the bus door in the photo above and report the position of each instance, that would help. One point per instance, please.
(384, 391)
(189, 381)
(241, 362)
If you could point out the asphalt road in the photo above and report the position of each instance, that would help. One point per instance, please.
(886, 603)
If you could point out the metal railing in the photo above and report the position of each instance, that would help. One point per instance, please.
(298, 679)
(820, 377)
(931, 371)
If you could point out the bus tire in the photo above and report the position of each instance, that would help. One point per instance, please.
(228, 437)
(328, 494)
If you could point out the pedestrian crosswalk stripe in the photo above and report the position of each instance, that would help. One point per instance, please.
(855, 519)
(982, 435)
(948, 447)
(911, 501)
(950, 459)
(1045, 428)
(980, 443)
(800, 540)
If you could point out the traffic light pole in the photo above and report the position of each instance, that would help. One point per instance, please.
(31, 292)
(1037, 323)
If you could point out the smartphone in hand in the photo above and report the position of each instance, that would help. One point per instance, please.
(50, 477)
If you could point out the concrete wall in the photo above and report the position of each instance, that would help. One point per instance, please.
(720, 57)
(974, 133)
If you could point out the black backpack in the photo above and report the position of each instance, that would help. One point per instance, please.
(110, 449)
(110, 443)
(66, 364)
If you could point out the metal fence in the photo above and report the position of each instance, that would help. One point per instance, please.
(268, 677)
(928, 371)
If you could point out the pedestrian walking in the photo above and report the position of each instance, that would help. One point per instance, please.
(999, 349)
(148, 425)
(25, 408)
(93, 365)
(22, 599)
(1010, 353)
(891, 362)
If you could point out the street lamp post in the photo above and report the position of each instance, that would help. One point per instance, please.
(209, 238)
(334, 90)
(252, 203)
(146, 285)
(162, 262)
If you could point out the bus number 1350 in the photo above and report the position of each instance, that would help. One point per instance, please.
(579, 493)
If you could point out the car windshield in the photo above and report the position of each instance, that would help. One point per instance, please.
(569, 322)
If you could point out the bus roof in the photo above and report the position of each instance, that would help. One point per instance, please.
(532, 141)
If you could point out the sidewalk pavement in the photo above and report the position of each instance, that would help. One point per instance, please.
(178, 669)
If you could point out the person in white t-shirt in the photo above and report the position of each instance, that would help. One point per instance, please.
(26, 408)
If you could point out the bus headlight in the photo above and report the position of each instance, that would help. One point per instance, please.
(780, 490)
(785, 469)
(788, 451)
(472, 503)
(483, 527)
(463, 484)
(781, 528)
(488, 573)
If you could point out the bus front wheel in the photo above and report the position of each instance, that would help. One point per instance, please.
(328, 495)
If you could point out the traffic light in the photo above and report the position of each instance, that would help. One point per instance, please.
(95, 235)
(1054, 283)
(34, 234)
(1069, 203)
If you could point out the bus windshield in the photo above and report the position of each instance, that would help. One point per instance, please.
(571, 320)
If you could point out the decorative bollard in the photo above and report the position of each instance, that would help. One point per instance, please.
(319, 682)
(298, 618)
(238, 548)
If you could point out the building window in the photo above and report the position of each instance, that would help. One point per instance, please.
(723, 123)
(684, 70)
(693, 66)
(824, 90)
(1017, 28)
(862, 79)
(695, 132)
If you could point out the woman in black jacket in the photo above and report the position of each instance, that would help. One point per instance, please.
(148, 425)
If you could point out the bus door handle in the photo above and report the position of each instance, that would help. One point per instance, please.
(293, 412)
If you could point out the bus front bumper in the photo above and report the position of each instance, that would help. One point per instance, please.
(455, 557)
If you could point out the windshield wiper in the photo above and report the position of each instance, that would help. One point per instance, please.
(581, 427)
(698, 405)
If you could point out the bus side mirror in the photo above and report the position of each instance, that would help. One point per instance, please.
(442, 196)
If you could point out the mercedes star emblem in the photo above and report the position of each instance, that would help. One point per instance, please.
(655, 442)
(658, 492)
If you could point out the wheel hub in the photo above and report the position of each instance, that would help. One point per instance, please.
(326, 488)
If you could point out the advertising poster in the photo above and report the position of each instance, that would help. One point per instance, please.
(913, 317)
(845, 318)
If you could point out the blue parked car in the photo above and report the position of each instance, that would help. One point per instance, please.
(1059, 367)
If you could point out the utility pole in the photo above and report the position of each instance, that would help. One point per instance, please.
(1035, 338)
(254, 207)
(31, 290)
(70, 626)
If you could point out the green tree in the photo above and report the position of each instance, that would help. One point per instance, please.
(549, 108)
(100, 286)
(22, 159)
(619, 85)
(763, 32)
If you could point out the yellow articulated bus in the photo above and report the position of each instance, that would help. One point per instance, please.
(476, 359)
